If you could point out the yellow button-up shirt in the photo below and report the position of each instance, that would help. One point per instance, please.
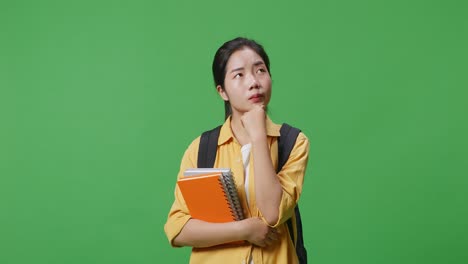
(229, 156)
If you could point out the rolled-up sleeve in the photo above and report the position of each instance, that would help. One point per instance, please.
(291, 178)
(179, 214)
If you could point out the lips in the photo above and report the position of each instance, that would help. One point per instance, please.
(256, 96)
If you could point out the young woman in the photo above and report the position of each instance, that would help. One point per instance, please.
(248, 144)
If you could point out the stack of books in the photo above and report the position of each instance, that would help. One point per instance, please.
(211, 195)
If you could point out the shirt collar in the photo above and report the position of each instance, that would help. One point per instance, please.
(272, 129)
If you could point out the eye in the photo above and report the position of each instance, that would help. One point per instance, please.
(261, 70)
(238, 75)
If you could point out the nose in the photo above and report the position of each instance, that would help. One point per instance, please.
(254, 84)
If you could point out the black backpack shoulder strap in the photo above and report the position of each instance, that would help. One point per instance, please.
(286, 142)
(207, 148)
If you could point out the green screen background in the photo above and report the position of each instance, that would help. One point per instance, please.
(99, 99)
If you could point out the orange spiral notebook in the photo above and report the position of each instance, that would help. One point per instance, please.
(211, 195)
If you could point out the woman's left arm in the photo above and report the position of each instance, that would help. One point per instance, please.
(276, 194)
(267, 186)
(290, 178)
(268, 190)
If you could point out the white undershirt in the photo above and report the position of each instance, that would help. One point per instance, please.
(245, 150)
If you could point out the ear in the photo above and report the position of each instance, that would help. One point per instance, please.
(222, 93)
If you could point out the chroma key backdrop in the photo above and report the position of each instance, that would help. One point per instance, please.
(100, 99)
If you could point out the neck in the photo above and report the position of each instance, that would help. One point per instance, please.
(238, 129)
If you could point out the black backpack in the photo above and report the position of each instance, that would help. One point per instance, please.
(207, 155)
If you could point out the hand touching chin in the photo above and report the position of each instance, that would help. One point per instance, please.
(254, 122)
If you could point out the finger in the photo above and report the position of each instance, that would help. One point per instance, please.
(274, 230)
(273, 236)
(271, 240)
(268, 242)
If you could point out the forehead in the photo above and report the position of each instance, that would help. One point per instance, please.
(243, 57)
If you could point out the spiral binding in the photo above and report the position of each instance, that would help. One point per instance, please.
(230, 192)
(228, 198)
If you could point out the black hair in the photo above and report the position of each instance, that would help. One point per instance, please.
(224, 53)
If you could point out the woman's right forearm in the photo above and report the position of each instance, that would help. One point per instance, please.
(197, 233)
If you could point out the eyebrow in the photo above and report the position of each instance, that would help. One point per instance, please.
(257, 63)
(236, 69)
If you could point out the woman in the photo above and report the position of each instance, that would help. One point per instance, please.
(248, 145)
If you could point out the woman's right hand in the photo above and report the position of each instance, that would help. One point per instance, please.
(259, 233)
